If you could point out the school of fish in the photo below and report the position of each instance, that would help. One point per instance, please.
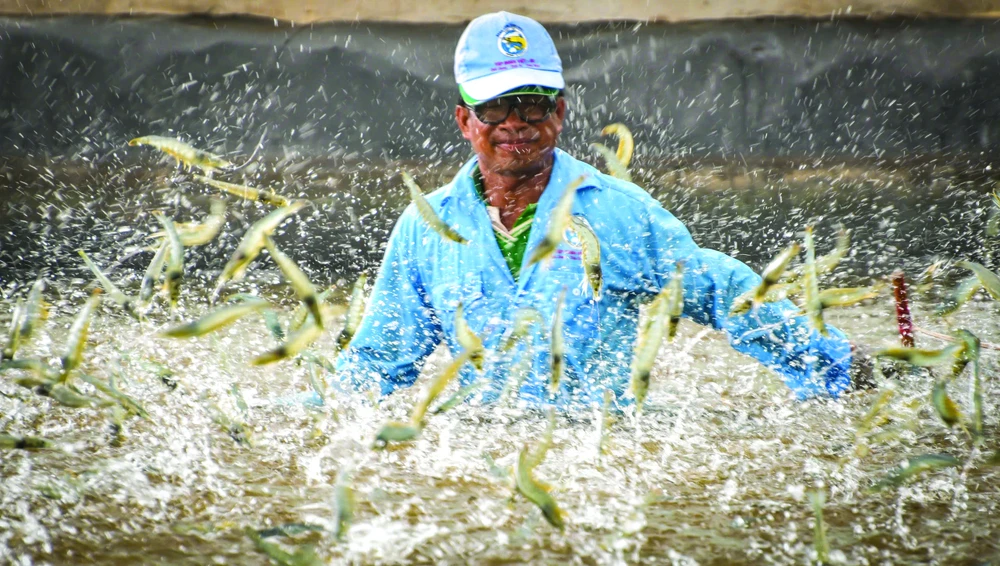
(780, 280)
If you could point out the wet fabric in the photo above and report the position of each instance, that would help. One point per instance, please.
(423, 279)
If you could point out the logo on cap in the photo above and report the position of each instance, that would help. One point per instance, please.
(512, 41)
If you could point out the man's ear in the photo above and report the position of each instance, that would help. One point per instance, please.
(462, 117)
(561, 108)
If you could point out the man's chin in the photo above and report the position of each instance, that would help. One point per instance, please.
(523, 156)
(523, 164)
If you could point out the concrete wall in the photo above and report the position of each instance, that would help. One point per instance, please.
(844, 90)
(309, 11)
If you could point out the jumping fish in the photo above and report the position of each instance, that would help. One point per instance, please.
(945, 407)
(252, 242)
(395, 432)
(648, 344)
(304, 288)
(110, 288)
(915, 466)
(273, 324)
(770, 289)
(868, 421)
(460, 396)
(303, 555)
(925, 281)
(559, 220)
(300, 314)
(13, 333)
(297, 341)
(847, 296)
(773, 272)
(427, 212)
(616, 168)
(127, 403)
(469, 340)
(42, 371)
(970, 354)
(536, 492)
(743, 303)
(920, 357)
(175, 260)
(237, 430)
(199, 234)
(967, 352)
(34, 309)
(66, 395)
(558, 346)
(216, 319)
(959, 296)
(518, 372)
(147, 287)
(824, 263)
(544, 443)
(317, 383)
(590, 253)
(987, 278)
(241, 402)
(675, 300)
(355, 312)
(24, 442)
(436, 387)
(525, 318)
(402, 432)
(265, 196)
(77, 340)
(626, 144)
(320, 361)
(810, 283)
(828, 262)
(116, 425)
(184, 153)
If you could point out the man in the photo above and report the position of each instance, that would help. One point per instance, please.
(511, 111)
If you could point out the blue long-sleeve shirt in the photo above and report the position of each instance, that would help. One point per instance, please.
(424, 277)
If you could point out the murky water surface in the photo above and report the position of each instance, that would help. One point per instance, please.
(717, 471)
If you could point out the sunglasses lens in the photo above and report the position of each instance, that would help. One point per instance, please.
(493, 112)
(536, 109)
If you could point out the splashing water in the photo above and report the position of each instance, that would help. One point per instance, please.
(719, 473)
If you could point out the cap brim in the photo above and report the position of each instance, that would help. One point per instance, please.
(492, 86)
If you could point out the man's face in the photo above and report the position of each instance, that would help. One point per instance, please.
(513, 146)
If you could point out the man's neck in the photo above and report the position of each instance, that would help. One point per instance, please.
(511, 194)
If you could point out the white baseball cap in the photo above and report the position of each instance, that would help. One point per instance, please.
(501, 53)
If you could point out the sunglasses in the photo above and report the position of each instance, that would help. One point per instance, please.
(531, 109)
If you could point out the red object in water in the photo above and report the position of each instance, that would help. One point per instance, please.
(903, 317)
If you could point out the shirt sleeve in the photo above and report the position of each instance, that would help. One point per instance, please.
(774, 333)
(399, 329)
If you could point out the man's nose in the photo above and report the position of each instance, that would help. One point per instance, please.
(514, 121)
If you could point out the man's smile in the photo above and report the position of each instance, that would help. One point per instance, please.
(517, 144)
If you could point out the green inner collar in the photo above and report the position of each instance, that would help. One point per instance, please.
(513, 245)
